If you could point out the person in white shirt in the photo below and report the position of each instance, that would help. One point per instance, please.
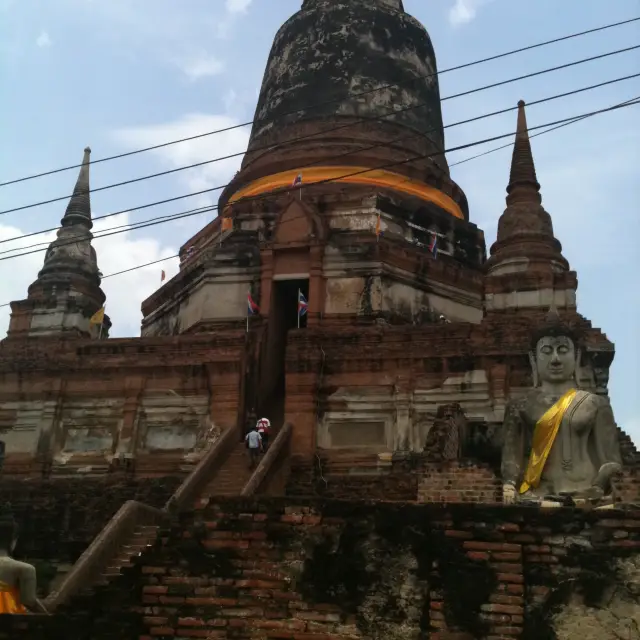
(253, 441)
(264, 429)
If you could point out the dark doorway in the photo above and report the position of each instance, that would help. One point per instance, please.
(283, 316)
(285, 301)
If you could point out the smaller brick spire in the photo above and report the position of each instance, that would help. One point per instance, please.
(79, 207)
(67, 291)
(523, 183)
(526, 256)
(525, 230)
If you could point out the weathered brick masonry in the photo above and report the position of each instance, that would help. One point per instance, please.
(327, 570)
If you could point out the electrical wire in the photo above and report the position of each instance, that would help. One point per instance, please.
(330, 159)
(343, 126)
(558, 125)
(284, 190)
(342, 99)
(540, 133)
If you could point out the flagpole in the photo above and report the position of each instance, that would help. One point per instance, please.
(298, 308)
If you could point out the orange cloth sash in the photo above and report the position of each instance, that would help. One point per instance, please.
(10, 600)
(544, 435)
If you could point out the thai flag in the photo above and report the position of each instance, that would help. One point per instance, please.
(303, 305)
(433, 245)
(297, 181)
(252, 307)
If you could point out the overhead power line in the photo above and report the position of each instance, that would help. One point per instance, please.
(319, 161)
(190, 213)
(332, 101)
(558, 125)
(540, 133)
(320, 133)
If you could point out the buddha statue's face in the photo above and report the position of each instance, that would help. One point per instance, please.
(555, 359)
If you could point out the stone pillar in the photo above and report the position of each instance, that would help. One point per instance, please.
(126, 442)
(266, 277)
(403, 438)
(316, 285)
(301, 409)
(52, 434)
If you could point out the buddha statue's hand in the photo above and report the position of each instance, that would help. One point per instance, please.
(608, 472)
(508, 493)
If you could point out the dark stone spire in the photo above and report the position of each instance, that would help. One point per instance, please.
(71, 252)
(67, 291)
(525, 229)
(523, 183)
(79, 207)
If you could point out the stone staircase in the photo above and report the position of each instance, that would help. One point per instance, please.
(223, 471)
(232, 476)
(143, 537)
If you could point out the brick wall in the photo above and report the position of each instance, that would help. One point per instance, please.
(459, 482)
(326, 570)
(410, 480)
(308, 478)
(58, 519)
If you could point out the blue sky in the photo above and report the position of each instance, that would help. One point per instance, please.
(118, 74)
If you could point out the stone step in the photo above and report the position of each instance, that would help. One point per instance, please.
(141, 539)
(232, 476)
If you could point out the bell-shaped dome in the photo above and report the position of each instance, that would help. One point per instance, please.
(350, 83)
(329, 52)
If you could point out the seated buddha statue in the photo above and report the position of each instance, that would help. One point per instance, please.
(560, 442)
(17, 579)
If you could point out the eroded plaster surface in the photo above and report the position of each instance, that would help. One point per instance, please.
(346, 48)
(389, 418)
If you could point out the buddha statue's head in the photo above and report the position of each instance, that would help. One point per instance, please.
(555, 351)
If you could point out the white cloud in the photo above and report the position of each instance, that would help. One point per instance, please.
(237, 6)
(124, 293)
(202, 65)
(229, 100)
(464, 11)
(43, 40)
(193, 151)
(234, 9)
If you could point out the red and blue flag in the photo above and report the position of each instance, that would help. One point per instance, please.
(303, 305)
(433, 245)
(252, 307)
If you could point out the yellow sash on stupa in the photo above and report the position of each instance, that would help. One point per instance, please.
(10, 600)
(544, 435)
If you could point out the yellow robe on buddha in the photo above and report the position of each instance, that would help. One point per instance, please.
(10, 600)
(544, 435)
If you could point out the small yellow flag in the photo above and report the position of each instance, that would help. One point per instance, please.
(97, 317)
